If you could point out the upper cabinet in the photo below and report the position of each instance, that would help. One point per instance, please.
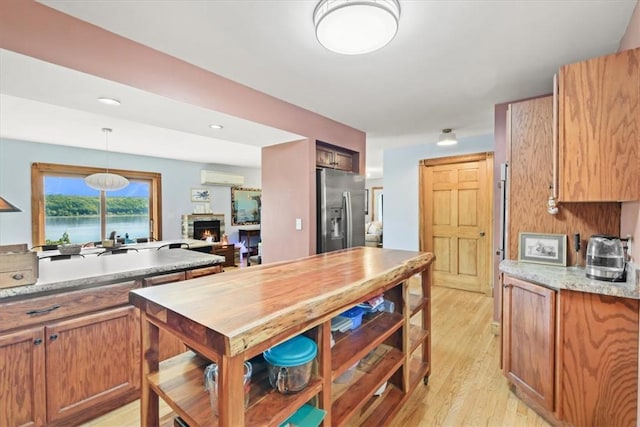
(329, 157)
(599, 129)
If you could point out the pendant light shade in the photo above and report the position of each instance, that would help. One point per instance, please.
(353, 27)
(106, 181)
(447, 138)
(5, 206)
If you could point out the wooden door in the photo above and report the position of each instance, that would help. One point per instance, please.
(528, 343)
(22, 389)
(456, 195)
(91, 360)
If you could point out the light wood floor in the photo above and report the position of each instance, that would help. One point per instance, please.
(466, 387)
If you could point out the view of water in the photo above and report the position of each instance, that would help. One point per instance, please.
(82, 229)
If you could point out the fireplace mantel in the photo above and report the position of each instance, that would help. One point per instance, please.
(188, 219)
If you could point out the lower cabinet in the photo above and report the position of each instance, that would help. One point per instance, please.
(572, 356)
(58, 372)
(528, 346)
(22, 381)
(90, 361)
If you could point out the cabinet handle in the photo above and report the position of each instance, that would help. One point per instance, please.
(53, 337)
(42, 310)
(18, 276)
(506, 286)
(37, 341)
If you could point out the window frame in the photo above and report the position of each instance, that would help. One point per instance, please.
(40, 170)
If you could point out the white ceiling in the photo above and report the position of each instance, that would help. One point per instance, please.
(450, 62)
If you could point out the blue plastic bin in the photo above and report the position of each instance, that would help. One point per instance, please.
(355, 314)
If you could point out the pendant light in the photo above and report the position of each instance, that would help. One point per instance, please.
(354, 27)
(106, 181)
(447, 138)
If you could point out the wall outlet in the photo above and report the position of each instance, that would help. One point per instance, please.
(298, 223)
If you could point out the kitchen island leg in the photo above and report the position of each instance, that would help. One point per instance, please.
(149, 409)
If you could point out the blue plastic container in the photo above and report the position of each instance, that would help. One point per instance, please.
(289, 364)
(355, 314)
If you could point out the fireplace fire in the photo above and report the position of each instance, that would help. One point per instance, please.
(205, 230)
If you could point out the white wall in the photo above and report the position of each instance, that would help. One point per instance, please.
(400, 210)
(178, 177)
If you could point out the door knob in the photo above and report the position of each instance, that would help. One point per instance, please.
(482, 233)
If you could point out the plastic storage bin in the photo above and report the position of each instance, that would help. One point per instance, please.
(289, 364)
(355, 314)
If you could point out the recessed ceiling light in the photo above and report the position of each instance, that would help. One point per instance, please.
(108, 101)
(216, 126)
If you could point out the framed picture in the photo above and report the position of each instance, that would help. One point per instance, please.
(200, 195)
(543, 248)
(246, 205)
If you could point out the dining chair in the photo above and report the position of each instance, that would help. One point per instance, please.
(182, 245)
(61, 257)
(44, 247)
(117, 251)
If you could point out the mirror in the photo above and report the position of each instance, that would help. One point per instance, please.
(246, 204)
(376, 203)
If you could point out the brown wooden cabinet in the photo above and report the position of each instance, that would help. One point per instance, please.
(335, 159)
(56, 373)
(22, 380)
(599, 129)
(528, 343)
(598, 359)
(91, 361)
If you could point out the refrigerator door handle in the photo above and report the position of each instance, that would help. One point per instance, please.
(346, 199)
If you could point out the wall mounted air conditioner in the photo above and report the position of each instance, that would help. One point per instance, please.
(220, 178)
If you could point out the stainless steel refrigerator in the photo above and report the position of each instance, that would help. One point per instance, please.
(340, 204)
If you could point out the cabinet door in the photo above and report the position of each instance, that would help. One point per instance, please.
(599, 129)
(324, 157)
(343, 161)
(22, 389)
(529, 339)
(91, 360)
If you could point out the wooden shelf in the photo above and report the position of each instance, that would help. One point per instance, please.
(416, 303)
(418, 370)
(353, 346)
(363, 387)
(417, 336)
(179, 381)
(386, 406)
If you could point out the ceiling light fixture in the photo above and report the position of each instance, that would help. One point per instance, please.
(106, 181)
(108, 101)
(216, 126)
(354, 27)
(5, 206)
(447, 138)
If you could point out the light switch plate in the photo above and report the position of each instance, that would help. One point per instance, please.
(298, 223)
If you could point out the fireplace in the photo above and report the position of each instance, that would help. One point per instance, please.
(189, 220)
(206, 230)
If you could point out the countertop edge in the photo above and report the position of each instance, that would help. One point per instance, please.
(569, 278)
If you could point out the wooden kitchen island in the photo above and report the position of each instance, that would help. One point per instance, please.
(233, 317)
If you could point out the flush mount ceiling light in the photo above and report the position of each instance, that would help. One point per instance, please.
(353, 27)
(106, 181)
(216, 126)
(108, 101)
(447, 138)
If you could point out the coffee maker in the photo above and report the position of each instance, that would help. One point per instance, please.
(606, 259)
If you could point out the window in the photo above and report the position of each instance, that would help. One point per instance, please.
(64, 207)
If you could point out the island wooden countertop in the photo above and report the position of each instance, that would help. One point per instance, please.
(248, 310)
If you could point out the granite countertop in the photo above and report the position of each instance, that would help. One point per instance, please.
(95, 271)
(571, 278)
